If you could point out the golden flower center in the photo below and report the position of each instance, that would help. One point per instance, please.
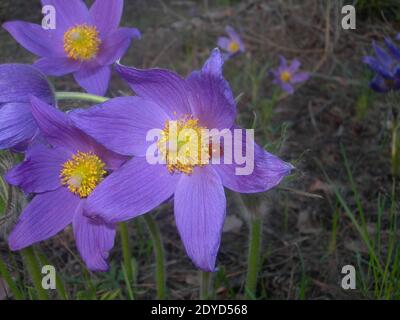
(286, 76)
(233, 47)
(82, 42)
(184, 144)
(83, 173)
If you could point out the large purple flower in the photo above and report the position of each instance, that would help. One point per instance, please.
(17, 83)
(85, 42)
(286, 76)
(203, 100)
(233, 44)
(62, 176)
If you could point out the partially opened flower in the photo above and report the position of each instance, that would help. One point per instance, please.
(85, 42)
(62, 177)
(202, 101)
(17, 83)
(386, 65)
(286, 76)
(233, 44)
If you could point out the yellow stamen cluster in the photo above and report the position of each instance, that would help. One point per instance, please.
(82, 42)
(233, 47)
(183, 145)
(82, 173)
(286, 76)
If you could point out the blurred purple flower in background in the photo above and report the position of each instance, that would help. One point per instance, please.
(203, 100)
(62, 177)
(232, 44)
(286, 76)
(85, 42)
(17, 83)
(386, 65)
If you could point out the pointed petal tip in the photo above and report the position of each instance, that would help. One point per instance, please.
(12, 244)
(122, 69)
(13, 240)
(8, 25)
(5, 25)
(214, 64)
(9, 177)
(215, 51)
(119, 66)
(136, 34)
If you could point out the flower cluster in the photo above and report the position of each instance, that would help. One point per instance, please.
(285, 76)
(90, 167)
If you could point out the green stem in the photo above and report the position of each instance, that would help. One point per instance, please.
(395, 148)
(34, 271)
(205, 278)
(61, 95)
(9, 281)
(253, 261)
(126, 253)
(159, 256)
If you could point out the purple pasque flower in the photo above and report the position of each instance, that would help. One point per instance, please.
(17, 82)
(386, 65)
(85, 42)
(233, 44)
(286, 76)
(62, 176)
(202, 100)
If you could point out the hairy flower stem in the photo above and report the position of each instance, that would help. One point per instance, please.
(126, 253)
(61, 95)
(395, 147)
(253, 261)
(9, 281)
(159, 256)
(205, 278)
(34, 270)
